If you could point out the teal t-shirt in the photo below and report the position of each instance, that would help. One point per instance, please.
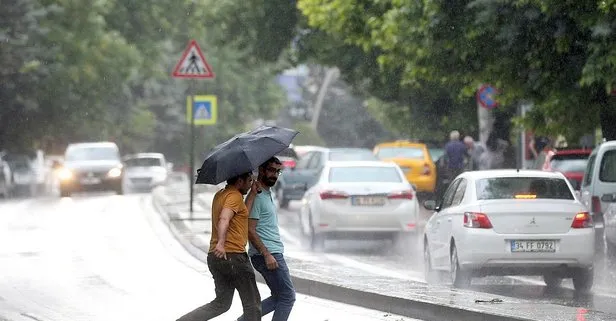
(264, 210)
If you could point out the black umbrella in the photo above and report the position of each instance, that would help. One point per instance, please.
(243, 153)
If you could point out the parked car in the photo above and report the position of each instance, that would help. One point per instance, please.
(358, 199)
(144, 171)
(294, 182)
(572, 163)
(510, 222)
(599, 186)
(91, 166)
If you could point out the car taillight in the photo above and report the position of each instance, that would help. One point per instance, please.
(289, 164)
(476, 220)
(426, 170)
(328, 195)
(406, 195)
(582, 220)
(596, 205)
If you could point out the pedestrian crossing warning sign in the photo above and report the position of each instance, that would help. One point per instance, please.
(202, 110)
(193, 64)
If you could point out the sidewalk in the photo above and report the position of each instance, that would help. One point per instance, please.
(356, 287)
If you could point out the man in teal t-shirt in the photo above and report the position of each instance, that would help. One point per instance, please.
(266, 248)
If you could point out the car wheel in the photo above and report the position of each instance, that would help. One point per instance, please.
(610, 249)
(551, 281)
(583, 279)
(317, 240)
(459, 278)
(432, 276)
(119, 190)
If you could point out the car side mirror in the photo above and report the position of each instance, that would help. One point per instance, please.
(609, 198)
(414, 187)
(430, 205)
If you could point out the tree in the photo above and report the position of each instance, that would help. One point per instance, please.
(545, 52)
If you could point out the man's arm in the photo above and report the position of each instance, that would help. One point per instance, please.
(223, 224)
(254, 237)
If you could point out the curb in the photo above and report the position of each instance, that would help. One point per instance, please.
(409, 308)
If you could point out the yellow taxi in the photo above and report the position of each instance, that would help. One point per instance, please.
(414, 160)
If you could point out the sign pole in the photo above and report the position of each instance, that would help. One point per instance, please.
(192, 65)
(192, 151)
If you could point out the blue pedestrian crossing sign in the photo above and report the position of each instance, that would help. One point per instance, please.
(202, 110)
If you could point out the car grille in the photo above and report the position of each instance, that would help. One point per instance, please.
(141, 180)
(97, 174)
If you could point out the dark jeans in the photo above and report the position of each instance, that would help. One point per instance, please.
(234, 273)
(279, 281)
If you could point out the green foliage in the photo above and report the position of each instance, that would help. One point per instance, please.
(558, 54)
(96, 70)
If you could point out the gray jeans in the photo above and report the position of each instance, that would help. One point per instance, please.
(234, 273)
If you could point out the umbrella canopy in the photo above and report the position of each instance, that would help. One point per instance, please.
(243, 153)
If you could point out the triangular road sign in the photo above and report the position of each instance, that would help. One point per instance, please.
(193, 64)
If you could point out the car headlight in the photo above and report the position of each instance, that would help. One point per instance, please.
(65, 174)
(114, 173)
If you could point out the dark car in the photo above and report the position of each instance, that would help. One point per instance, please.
(572, 163)
(294, 181)
(91, 166)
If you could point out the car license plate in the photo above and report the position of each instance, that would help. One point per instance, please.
(533, 246)
(90, 181)
(368, 201)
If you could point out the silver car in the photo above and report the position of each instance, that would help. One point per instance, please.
(144, 171)
(359, 199)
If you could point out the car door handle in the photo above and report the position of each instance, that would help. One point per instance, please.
(449, 219)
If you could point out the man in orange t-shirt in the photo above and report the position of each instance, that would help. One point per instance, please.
(227, 259)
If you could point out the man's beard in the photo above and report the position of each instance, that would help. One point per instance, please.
(269, 182)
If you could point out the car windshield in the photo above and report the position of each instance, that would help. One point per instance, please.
(92, 153)
(366, 174)
(143, 162)
(401, 152)
(351, 155)
(520, 187)
(569, 162)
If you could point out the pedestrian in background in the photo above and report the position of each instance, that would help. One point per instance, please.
(266, 247)
(455, 151)
(473, 150)
(227, 259)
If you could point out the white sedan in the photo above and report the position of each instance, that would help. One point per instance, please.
(359, 198)
(509, 222)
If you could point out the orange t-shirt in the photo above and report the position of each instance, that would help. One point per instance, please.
(237, 233)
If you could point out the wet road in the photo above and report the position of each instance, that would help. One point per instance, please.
(378, 257)
(108, 257)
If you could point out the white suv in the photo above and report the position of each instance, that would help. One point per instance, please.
(599, 186)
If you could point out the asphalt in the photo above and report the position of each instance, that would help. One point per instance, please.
(326, 276)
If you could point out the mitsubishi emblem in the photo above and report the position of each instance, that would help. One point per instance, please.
(533, 221)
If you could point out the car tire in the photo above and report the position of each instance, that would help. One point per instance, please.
(551, 281)
(119, 190)
(459, 278)
(317, 241)
(583, 279)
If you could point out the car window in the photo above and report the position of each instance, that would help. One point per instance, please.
(315, 160)
(92, 153)
(303, 162)
(289, 152)
(607, 172)
(351, 155)
(589, 170)
(523, 187)
(400, 152)
(368, 174)
(448, 197)
(143, 162)
(459, 194)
